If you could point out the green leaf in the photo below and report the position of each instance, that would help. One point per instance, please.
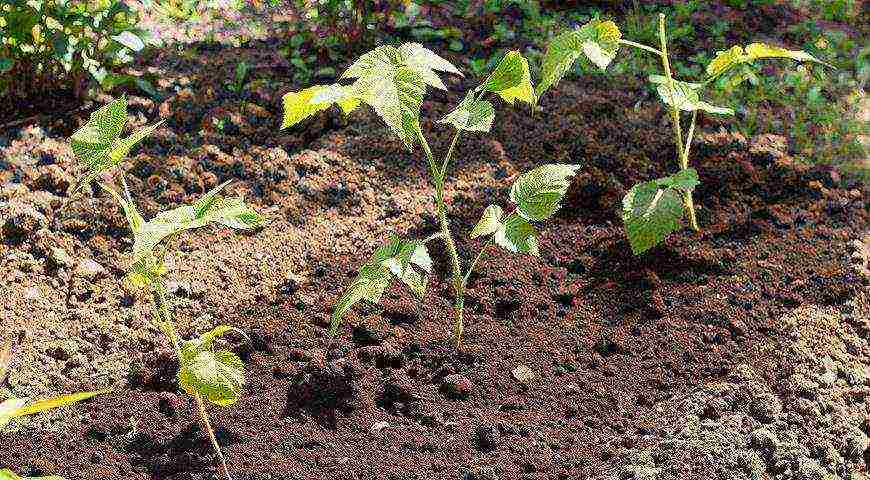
(489, 222)
(6, 64)
(538, 193)
(685, 96)
(471, 115)
(6, 474)
(393, 82)
(517, 235)
(216, 375)
(210, 208)
(408, 261)
(98, 144)
(300, 105)
(736, 55)
(8, 408)
(598, 40)
(652, 210)
(511, 79)
(20, 407)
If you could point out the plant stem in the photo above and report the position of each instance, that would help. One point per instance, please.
(441, 207)
(161, 308)
(682, 154)
(475, 262)
(641, 46)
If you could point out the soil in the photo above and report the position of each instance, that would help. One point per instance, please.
(740, 352)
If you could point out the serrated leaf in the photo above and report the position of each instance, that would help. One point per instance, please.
(6, 474)
(393, 82)
(538, 193)
(517, 235)
(652, 210)
(408, 261)
(598, 40)
(471, 115)
(216, 376)
(489, 222)
(511, 79)
(685, 96)
(300, 105)
(736, 55)
(98, 144)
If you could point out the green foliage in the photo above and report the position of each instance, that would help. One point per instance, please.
(6, 474)
(46, 43)
(685, 96)
(511, 80)
(20, 407)
(516, 234)
(538, 193)
(737, 55)
(652, 210)
(471, 115)
(598, 40)
(391, 80)
(98, 145)
(407, 261)
(489, 222)
(217, 375)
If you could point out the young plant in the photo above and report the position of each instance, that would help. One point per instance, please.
(652, 210)
(392, 81)
(6, 474)
(205, 373)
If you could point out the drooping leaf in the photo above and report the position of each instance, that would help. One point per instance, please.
(408, 261)
(736, 55)
(489, 222)
(6, 474)
(598, 40)
(511, 79)
(538, 193)
(216, 375)
(211, 208)
(685, 96)
(471, 115)
(426, 63)
(98, 144)
(652, 210)
(300, 105)
(517, 235)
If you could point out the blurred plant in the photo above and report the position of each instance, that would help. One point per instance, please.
(240, 79)
(47, 43)
(652, 210)
(205, 373)
(393, 81)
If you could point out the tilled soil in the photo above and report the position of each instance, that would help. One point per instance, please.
(738, 352)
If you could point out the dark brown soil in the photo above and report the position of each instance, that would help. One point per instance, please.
(723, 340)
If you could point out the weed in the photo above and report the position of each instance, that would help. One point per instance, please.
(393, 81)
(205, 373)
(652, 210)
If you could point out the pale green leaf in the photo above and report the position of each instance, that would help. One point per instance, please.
(517, 235)
(55, 402)
(129, 40)
(489, 222)
(538, 193)
(736, 55)
(511, 79)
(652, 210)
(598, 40)
(218, 376)
(8, 408)
(6, 474)
(408, 261)
(685, 96)
(300, 105)
(98, 144)
(471, 115)
(426, 63)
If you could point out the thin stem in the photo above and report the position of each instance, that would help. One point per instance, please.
(682, 153)
(685, 160)
(161, 309)
(475, 262)
(687, 196)
(640, 46)
(203, 415)
(675, 112)
(448, 238)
